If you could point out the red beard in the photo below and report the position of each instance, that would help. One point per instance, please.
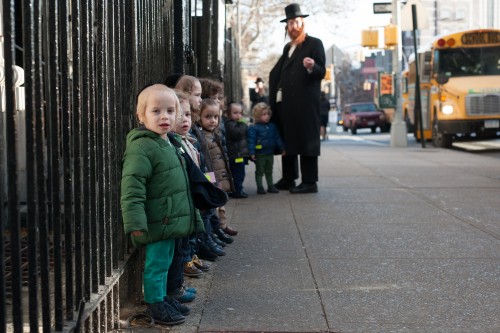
(297, 35)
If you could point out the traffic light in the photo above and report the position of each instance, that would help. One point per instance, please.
(390, 35)
(369, 38)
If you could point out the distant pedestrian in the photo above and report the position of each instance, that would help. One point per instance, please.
(324, 113)
(237, 149)
(258, 94)
(263, 141)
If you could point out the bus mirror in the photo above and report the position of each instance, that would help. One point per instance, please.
(442, 78)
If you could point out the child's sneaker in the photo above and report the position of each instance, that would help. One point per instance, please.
(260, 190)
(191, 290)
(182, 295)
(200, 264)
(191, 270)
(181, 308)
(164, 314)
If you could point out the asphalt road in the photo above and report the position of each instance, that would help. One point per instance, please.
(489, 148)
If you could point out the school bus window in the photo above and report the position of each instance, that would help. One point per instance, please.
(469, 61)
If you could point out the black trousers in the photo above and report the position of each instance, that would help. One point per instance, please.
(308, 168)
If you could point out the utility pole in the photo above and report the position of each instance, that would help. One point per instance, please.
(398, 126)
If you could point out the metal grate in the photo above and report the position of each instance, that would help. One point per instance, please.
(482, 104)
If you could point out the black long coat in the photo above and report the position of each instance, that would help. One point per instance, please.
(298, 116)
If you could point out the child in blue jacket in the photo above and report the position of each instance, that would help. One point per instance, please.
(263, 140)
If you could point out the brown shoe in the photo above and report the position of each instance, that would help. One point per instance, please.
(191, 270)
(230, 231)
(200, 264)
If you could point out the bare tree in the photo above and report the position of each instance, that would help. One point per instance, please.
(256, 16)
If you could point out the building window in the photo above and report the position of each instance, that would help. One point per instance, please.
(460, 15)
(445, 13)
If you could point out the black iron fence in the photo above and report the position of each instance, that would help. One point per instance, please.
(70, 71)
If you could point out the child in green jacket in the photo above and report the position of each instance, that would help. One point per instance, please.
(156, 201)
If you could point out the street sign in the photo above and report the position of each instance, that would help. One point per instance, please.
(382, 7)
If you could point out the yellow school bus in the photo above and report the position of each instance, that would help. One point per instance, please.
(460, 87)
(405, 100)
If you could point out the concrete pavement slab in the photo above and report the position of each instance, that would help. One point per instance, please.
(405, 240)
(422, 295)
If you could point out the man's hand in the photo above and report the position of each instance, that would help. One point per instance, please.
(136, 233)
(308, 63)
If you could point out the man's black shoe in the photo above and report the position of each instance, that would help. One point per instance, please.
(305, 188)
(283, 184)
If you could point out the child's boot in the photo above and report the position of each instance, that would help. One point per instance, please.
(165, 314)
(272, 189)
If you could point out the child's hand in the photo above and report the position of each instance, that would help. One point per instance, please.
(136, 233)
(252, 157)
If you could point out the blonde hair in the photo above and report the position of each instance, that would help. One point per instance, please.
(259, 109)
(186, 83)
(181, 95)
(142, 100)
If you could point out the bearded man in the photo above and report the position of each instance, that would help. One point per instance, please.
(294, 97)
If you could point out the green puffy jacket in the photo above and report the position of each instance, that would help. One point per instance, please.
(155, 193)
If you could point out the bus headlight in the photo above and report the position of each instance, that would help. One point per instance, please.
(447, 109)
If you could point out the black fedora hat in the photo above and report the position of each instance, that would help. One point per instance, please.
(292, 11)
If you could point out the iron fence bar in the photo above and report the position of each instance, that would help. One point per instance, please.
(41, 167)
(92, 151)
(3, 217)
(86, 96)
(100, 141)
(116, 129)
(111, 138)
(76, 135)
(54, 121)
(66, 112)
(11, 163)
(31, 215)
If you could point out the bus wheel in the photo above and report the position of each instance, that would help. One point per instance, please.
(373, 129)
(440, 140)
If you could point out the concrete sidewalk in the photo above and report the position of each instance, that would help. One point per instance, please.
(396, 240)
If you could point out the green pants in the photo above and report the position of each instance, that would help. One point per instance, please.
(158, 259)
(264, 167)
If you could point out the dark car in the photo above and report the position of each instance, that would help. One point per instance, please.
(364, 115)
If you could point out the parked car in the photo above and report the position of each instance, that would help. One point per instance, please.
(364, 115)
